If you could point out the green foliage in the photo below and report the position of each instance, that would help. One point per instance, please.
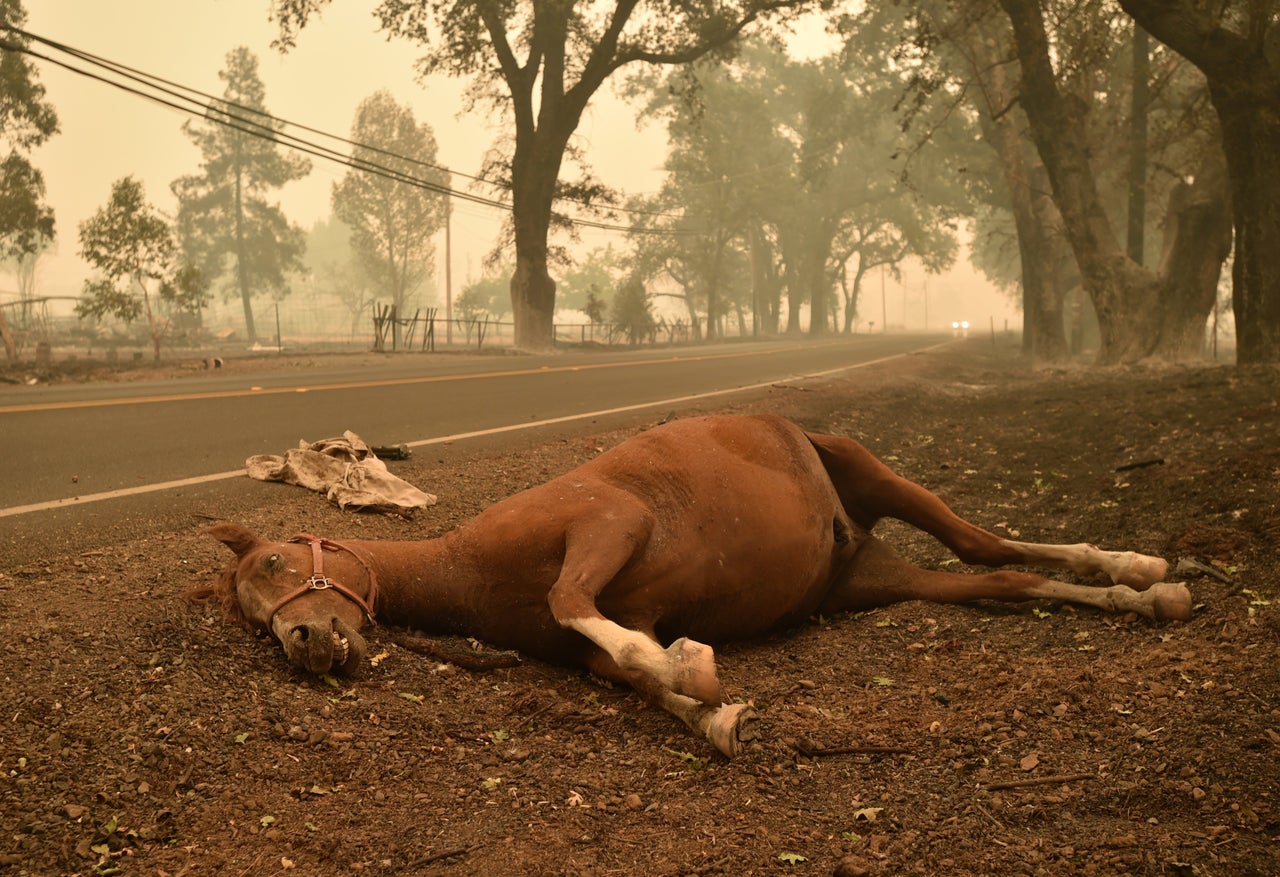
(596, 307)
(225, 223)
(632, 312)
(489, 296)
(132, 246)
(392, 222)
(814, 198)
(26, 118)
(332, 269)
(26, 222)
(593, 279)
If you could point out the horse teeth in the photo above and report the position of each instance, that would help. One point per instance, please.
(342, 647)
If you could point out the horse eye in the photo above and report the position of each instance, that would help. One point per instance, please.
(271, 561)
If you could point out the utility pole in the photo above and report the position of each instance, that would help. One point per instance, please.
(448, 262)
(884, 307)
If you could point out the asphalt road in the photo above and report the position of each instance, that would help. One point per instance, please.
(83, 457)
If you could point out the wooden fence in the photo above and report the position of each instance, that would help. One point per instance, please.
(392, 332)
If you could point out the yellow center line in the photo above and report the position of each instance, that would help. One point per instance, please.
(384, 382)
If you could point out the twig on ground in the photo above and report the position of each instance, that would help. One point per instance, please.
(461, 656)
(811, 751)
(1040, 781)
(437, 857)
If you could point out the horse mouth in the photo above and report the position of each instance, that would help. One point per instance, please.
(341, 649)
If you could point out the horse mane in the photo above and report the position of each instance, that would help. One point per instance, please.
(222, 593)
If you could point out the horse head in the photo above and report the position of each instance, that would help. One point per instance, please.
(311, 594)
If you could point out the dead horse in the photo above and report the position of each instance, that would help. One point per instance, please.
(697, 531)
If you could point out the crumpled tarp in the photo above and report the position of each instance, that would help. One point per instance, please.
(343, 469)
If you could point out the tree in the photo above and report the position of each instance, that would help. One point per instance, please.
(1024, 194)
(26, 121)
(591, 279)
(332, 269)
(1128, 299)
(816, 183)
(392, 222)
(487, 296)
(223, 213)
(632, 312)
(1234, 44)
(544, 61)
(133, 246)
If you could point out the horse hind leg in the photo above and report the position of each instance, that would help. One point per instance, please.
(870, 490)
(1139, 571)
(877, 576)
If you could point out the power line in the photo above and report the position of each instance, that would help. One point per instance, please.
(228, 113)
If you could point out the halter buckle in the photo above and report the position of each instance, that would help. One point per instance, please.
(319, 582)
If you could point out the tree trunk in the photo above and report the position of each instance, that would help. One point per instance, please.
(1251, 141)
(10, 346)
(1140, 104)
(535, 168)
(817, 284)
(795, 286)
(714, 325)
(1124, 295)
(852, 291)
(1238, 58)
(766, 294)
(1197, 241)
(1036, 221)
(242, 273)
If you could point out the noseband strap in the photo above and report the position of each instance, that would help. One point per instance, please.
(320, 582)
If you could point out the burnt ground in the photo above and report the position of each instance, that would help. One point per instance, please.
(141, 735)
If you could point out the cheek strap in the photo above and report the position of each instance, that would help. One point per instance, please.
(320, 582)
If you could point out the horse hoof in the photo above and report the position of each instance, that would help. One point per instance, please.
(693, 671)
(731, 727)
(1171, 601)
(1142, 571)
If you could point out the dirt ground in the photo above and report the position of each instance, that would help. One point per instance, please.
(141, 735)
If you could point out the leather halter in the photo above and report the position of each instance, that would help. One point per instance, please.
(320, 582)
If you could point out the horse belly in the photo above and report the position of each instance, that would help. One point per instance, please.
(747, 587)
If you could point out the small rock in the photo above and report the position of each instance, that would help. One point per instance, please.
(851, 866)
(632, 802)
(74, 811)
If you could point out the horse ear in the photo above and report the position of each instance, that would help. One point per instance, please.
(235, 537)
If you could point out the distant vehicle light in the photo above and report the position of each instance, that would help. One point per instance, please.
(964, 324)
(955, 324)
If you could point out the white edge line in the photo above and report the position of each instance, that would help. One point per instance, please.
(461, 436)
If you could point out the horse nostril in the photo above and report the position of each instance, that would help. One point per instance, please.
(303, 632)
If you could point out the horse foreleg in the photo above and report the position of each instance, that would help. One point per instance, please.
(727, 727)
(877, 576)
(593, 556)
(686, 666)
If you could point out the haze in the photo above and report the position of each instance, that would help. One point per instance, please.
(107, 133)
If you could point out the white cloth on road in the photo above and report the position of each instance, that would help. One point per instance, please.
(345, 470)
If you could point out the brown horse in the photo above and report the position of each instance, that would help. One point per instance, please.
(701, 530)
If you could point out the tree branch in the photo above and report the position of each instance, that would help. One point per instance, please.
(1198, 37)
(715, 41)
(519, 79)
